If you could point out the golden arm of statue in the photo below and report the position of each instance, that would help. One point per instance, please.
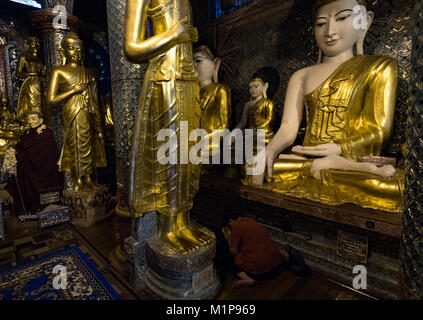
(378, 115)
(54, 99)
(139, 50)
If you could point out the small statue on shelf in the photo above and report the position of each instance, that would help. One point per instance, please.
(259, 112)
(350, 104)
(215, 97)
(32, 91)
(75, 87)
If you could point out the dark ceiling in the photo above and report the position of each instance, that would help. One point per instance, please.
(94, 12)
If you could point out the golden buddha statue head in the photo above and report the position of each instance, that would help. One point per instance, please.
(206, 64)
(33, 47)
(72, 49)
(264, 83)
(340, 25)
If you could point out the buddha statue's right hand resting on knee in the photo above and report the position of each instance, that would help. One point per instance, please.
(350, 106)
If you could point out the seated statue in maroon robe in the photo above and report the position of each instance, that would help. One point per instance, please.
(37, 169)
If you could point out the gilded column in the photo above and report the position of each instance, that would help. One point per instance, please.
(411, 254)
(53, 35)
(127, 80)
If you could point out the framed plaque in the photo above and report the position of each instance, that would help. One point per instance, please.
(352, 246)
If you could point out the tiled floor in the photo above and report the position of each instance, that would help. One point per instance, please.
(26, 243)
(33, 244)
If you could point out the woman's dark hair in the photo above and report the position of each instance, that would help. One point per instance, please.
(230, 213)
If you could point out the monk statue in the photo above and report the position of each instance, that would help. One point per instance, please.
(75, 88)
(350, 104)
(259, 112)
(31, 93)
(215, 97)
(10, 128)
(169, 98)
(37, 156)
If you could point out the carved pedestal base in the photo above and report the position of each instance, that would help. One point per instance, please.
(87, 207)
(177, 276)
(144, 228)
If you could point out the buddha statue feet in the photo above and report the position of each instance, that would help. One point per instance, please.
(89, 184)
(179, 243)
(186, 239)
(85, 184)
(190, 233)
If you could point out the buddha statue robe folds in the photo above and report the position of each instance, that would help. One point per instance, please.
(169, 100)
(170, 94)
(216, 106)
(82, 149)
(353, 108)
(74, 87)
(261, 116)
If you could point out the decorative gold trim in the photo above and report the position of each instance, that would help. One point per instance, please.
(257, 80)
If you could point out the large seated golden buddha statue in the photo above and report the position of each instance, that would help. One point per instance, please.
(350, 104)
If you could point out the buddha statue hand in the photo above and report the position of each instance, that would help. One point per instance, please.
(101, 137)
(321, 150)
(264, 159)
(338, 162)
(185, 33)
(80, 87)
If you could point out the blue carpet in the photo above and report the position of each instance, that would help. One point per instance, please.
(34, 280)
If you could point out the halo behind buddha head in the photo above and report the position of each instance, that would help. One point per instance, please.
(269, 75)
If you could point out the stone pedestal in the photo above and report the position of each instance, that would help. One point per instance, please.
(154, 265)
(177, 276)
(87, 207)
(144, 228)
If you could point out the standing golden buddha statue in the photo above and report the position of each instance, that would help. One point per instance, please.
(31, 93)
(169, 97)
(259, 112)
(215, 97)
(350, 105)
(75, 87)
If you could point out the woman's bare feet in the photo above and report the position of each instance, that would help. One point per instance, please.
(243, 283)
(246, 281)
